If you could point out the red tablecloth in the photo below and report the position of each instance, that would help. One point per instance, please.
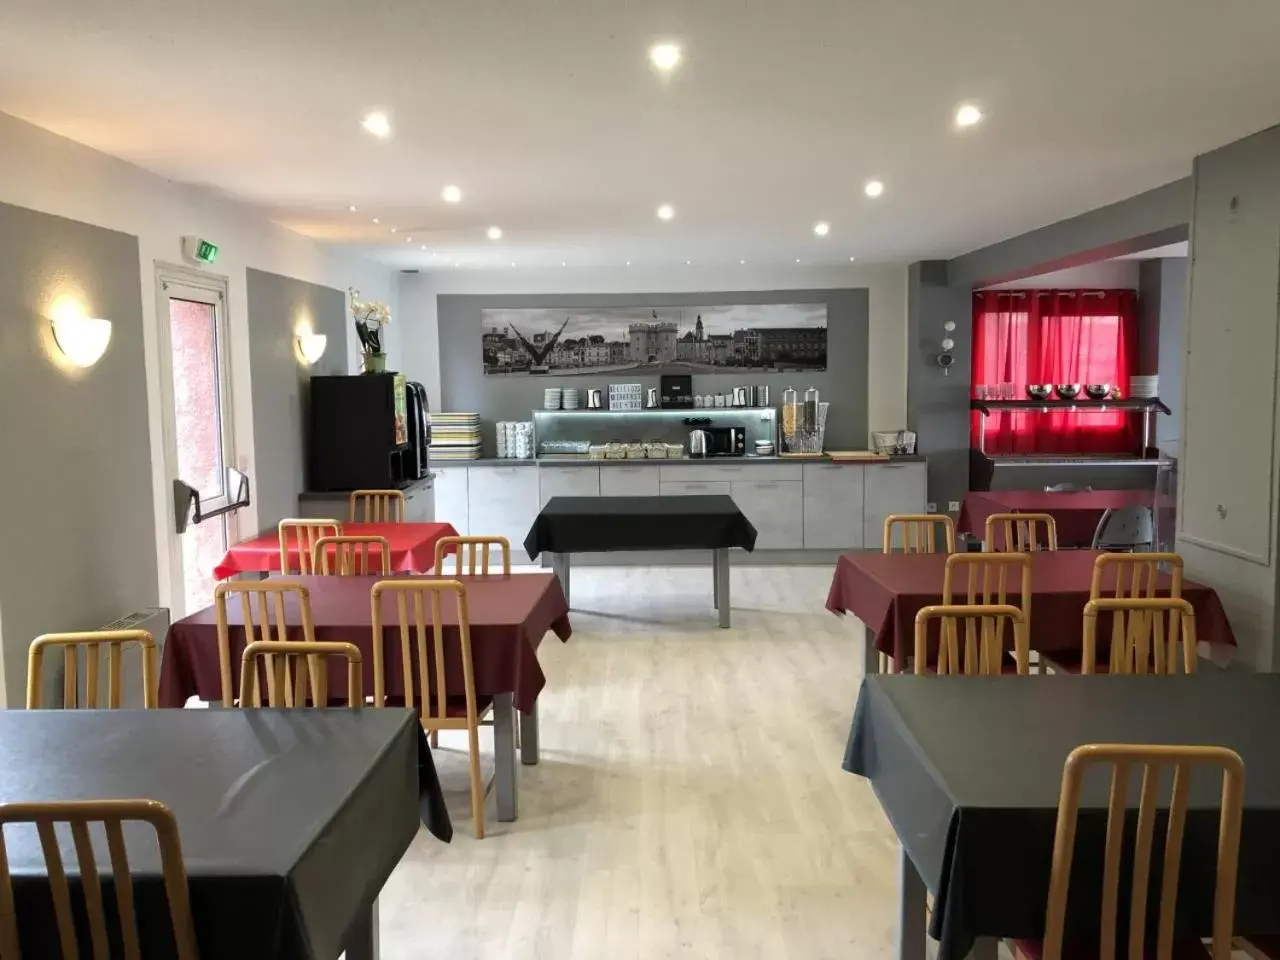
(413, 548)
(886, 591)
(509, 617)
(1076, 514)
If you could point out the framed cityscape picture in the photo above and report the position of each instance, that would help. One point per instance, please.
(760, 337)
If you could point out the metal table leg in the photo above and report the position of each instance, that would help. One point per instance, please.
(722, 587)
(529, 736)
(362, 939)
(715, 578)
(870, 655)
(911, 910)
(504, 757)
(560, 567)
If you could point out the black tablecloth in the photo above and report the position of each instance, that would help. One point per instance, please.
(594, 524)
(290, 821)
(968, 770)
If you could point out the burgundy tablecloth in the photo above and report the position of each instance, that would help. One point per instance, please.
(1076, 514)
(413, 548)
(886, 591)
(509, 617)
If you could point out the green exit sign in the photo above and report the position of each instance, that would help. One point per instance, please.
(206, 252)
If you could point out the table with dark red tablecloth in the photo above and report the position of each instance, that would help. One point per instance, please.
(413, 548)
(886, 591)
(1075, 513)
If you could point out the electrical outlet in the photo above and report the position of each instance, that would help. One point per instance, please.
(953, 506)
(931, 507)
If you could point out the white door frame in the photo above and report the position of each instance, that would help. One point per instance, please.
(172, 280)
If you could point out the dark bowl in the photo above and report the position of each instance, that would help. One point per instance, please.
(1039, 391)
(1067, 391)
(1097, 391)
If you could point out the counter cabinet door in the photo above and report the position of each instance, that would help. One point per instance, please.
(833, 506)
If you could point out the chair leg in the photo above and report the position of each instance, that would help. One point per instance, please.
(477, 785)
(434, 739)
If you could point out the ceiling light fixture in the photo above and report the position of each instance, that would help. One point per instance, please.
(424, 248)
(873, 188)
(665, 56)
(797, 259)
(822, 228)
(967, 115)
(408, 239)
(451, 194)
(628, 263)
(742, 261)
(494, 233)
(851, 259)
(563, 264)
(666, 212)
(351, 208)
(377, 124)
(393, 229)
(376, 220)
(688, 263)
(513, 263)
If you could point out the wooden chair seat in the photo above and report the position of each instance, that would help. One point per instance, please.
(1190, 949)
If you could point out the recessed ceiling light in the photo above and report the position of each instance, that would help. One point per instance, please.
(513, 263)
(351, 208)
(797, 259)
(967, 115)
(424, 247)
(393, 229)
(665, 56)
(873, 188)
(822, 228)
(494, 233)
(628, 263)
(851, 259)
(666, 212)
(451, 194)
(376, 220)
(563, 264)
(377, 123)
(742, 261)
(688, 263)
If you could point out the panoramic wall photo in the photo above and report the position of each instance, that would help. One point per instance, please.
(761, 337)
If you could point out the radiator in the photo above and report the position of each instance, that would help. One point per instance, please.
(155, 620)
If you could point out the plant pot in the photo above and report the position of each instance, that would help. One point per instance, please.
(374, 363)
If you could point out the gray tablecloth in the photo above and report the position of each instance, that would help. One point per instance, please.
(597, 524)
(290, 821)
(968, 770)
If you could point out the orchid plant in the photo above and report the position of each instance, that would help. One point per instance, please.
(370, 317)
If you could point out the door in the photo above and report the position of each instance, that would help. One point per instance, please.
(196, 389)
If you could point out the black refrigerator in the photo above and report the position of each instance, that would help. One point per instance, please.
(361, 434)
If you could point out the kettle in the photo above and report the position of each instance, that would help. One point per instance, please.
(699, 443)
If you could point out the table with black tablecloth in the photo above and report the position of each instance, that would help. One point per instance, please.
(968, 770)
(569, 525)
(290, 821)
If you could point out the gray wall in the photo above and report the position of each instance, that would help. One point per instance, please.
(464, 387)
(1227, 472)
(938, 402)
(277, 307)
(1162, 311)
(75, 488)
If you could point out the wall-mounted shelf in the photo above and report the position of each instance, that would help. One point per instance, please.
(985, 407)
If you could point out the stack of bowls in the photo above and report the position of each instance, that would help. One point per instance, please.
(572, 399)
(551, 398)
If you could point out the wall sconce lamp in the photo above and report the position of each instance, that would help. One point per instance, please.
(312, 346)
(946, 358)
(82, 340)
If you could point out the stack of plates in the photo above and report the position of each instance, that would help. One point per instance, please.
(571, 399)
(551, 398)
(455, 436)
(1144, 388)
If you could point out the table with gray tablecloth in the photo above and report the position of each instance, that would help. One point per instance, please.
(290, 821)
(968, 770)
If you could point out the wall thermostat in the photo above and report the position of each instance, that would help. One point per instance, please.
(197, 250)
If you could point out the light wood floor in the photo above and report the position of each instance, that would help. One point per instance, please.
(690, 800)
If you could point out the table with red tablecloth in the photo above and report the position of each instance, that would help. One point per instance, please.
(886, 591)
(1076, 513)
(508, 614)
(413, 548)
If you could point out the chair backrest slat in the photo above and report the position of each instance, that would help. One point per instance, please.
(983, 650)
(270, 596)
(447, 546)
(919, 532)
(283, 659)
(301, 534)
(1021, 532)
(93, 643)
(352, 556)
(378, 506)
(1140, 649)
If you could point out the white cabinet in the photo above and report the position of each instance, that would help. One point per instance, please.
(833, 504)
(629, 481)
(451, 498)
(503, 502)
(891, 488)
(775, 508)
(731, 471)
(567, 482)
(690, 488)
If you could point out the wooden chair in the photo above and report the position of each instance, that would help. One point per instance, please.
(1150, 761)
(79, 815)
(92, 642)
(287, 681)
(472, 543)
(983, 649)
(380, 506)
(270, 596)
(1021, 532)
(439, 708)
(303, 534)
(919, 532)
(1139, 641)
(989, 578)
(351, 556)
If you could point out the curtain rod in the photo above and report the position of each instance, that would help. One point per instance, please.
(1048, 293)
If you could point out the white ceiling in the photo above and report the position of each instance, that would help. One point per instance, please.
(549, 116)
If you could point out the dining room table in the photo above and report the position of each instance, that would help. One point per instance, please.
(968, 771)
(412, 546)
(885, 591)
(1076, 513)
(290, 821)
(508, 614)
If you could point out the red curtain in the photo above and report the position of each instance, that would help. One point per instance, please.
(1054, 336)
